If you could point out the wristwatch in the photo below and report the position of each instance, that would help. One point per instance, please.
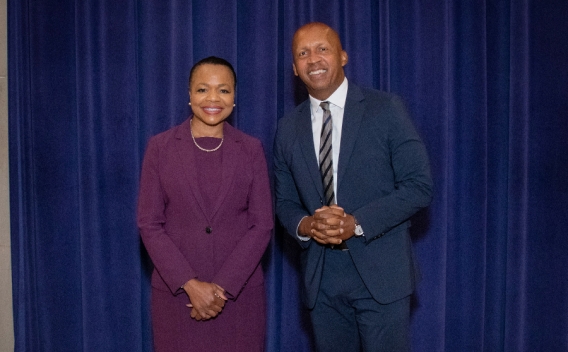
(358, 229)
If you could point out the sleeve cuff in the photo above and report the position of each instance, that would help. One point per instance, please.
(300, 237)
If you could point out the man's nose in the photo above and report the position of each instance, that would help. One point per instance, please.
(312, 58)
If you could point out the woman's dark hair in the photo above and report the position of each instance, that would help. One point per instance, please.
(213, 60)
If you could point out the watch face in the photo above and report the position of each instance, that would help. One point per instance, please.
(358, 230)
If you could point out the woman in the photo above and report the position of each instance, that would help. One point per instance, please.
(205, 217)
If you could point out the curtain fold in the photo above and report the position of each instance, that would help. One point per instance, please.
(486, 84)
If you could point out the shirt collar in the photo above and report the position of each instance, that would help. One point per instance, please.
(337, 98)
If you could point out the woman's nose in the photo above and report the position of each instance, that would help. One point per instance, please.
(212, 96)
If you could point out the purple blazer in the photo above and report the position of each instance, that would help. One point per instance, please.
(186, 241)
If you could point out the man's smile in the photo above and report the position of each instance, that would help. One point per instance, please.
(317, 72)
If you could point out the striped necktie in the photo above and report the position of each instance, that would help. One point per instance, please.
(326, 155)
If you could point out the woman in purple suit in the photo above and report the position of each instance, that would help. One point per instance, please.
(205, 217)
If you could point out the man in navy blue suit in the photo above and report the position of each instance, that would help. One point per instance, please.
(357, 261)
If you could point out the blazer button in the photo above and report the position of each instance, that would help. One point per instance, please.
(208, 229)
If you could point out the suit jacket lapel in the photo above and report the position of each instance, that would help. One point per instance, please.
(352, 117)
(306, 139)
(231, 159)
(187, 160)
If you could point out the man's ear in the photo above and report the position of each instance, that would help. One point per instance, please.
(294, 68)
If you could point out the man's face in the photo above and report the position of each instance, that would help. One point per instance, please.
(318, 59)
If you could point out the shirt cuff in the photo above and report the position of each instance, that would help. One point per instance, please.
(302, 238)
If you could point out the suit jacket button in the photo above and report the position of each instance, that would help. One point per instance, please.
(208, 229)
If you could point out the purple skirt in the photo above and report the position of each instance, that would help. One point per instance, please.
(239, 327)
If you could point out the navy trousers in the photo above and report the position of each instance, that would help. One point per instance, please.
(347, 318)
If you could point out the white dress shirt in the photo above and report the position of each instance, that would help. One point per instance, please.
(337, 107)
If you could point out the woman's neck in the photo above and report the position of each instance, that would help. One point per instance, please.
(200, 129)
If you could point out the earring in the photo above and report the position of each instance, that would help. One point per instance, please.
(189, 104)
(234, 104)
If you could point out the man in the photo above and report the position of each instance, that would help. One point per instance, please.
(349, 174)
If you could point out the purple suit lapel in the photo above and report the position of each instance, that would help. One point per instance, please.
(231, 151)
(230, 161)
(187, 159)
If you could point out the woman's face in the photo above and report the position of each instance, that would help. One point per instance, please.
(212, 93)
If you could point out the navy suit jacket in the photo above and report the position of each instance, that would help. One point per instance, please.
(383, 179)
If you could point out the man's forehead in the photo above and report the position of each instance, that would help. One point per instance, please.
(307, 37)
(314, 30)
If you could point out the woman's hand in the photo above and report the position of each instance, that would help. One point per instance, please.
(206, 299)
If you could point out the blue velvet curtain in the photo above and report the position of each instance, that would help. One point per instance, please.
(487, 85)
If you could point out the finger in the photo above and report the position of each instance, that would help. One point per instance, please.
(319, 226)
(320, 241)
(220, 302)
(205, 314)
(221, 294)
(201, 315)
(189, 305)
(216, 303)
(328, 236)
(333, 222)
(327, 241)
(324, 208)
(214, 307)
(332, 233)
(318, 218)
(327, 225)
(323, 238)
(318, 235)
(211, 313)
(338, 208)
(323, 231)
(325, 213)
(330, 210)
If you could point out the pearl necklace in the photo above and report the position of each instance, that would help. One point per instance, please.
(198, 146)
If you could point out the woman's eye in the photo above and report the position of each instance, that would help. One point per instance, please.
(225, 91)
(201, 90)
